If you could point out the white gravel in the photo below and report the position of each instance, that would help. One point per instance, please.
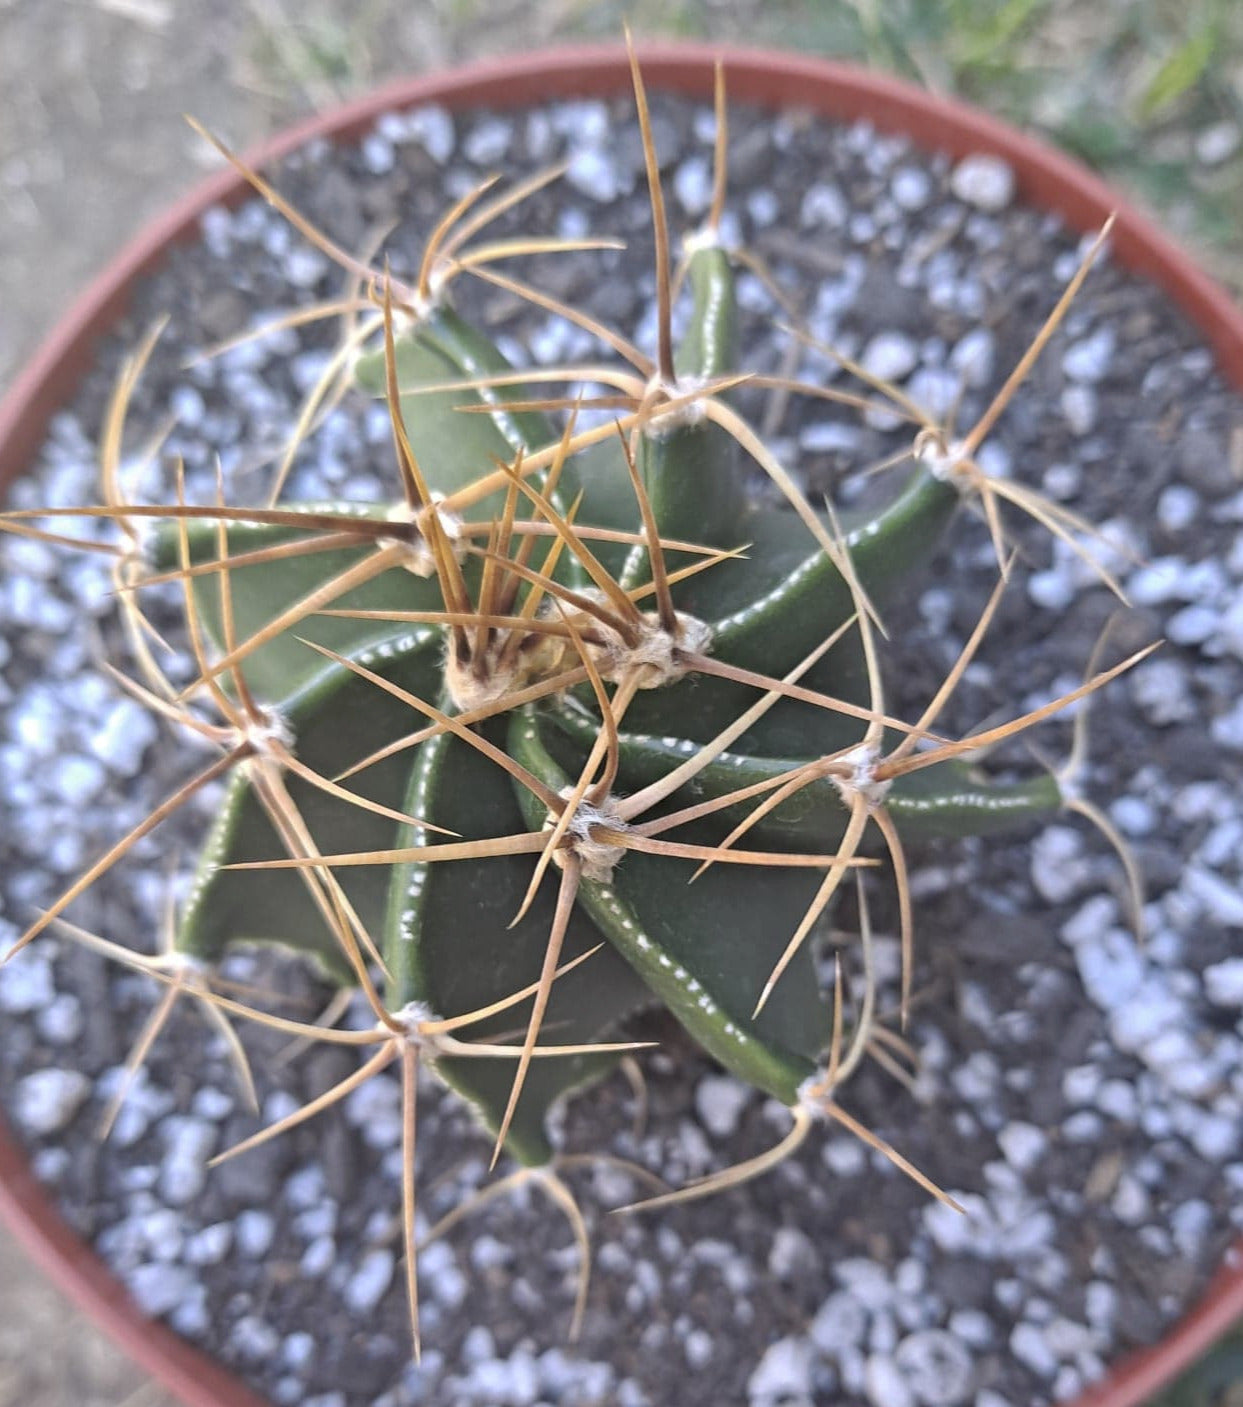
(983, 181)
(887, 1334)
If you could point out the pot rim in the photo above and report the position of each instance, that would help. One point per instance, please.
(1046, 178)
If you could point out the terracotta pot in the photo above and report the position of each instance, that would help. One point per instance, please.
(1046, 179)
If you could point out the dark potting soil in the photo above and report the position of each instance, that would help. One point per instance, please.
(1079, 1094)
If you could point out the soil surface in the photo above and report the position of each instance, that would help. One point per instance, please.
(1081, 1095)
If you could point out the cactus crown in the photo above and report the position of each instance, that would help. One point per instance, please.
(573, 725)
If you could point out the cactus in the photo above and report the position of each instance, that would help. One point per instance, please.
(571, 727)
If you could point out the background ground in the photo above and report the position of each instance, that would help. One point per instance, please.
(91, 145)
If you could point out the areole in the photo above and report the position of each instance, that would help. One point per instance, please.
(1046, 179)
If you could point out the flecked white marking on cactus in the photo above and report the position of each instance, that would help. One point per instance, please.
(419, 798)
(472, 368)
(774, 598)
(976, 800)
(793, 580)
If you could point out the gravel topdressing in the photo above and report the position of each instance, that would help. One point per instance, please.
(1081, 1095)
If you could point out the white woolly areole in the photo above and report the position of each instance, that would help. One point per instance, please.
(420, 559)
(811, 1094)
(270, 733)
(862, 780)
(656, 657)
(190, 969)
(410, 1021)
(664, 421)
(947, 463)
(470, 691)
(598, 858)
(705, 237)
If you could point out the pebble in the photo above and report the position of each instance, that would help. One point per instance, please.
(318, 1258)
(158, 1289)
(1111, 968)
(583, 121)
(211, 1245)
(1117, 1099)
(886, 1387)
(188, 1144)
(488, 141)
(890, 356)
(255, 1232)
(298, 1350)
(1131, 1203)
(692, 185)
(369, 1283)
(1195, 625)
(1190, 1223)
(1159, 688)
(828, 437)
(1029, 1346)
(719, 1102)
(763, 208)
(1023, 1145)
(984, 181)
(824, 205)
(432, 127)
(49, 1165)
(1079, 407)
(783, 1372)
(26, 983)
(911, 187)
(77, 780)
(974, 356)
(937, 1368)
(868, 1282)
(973, 1327)
(1059, 869)
(1178, 507)
(1227, 728)
(1223, 983)
(594, 173)
(1222, 901)
(254, 1339)
(304, 266)
(698, 1348)
(792, 1255)
(951, 1230)
(46, 1101)
(1214, 1136)
(1089, 359)
(840, 1323)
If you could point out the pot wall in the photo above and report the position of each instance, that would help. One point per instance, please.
(1046, 179)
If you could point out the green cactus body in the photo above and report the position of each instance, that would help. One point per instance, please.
(448, 943)
(702, 950)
